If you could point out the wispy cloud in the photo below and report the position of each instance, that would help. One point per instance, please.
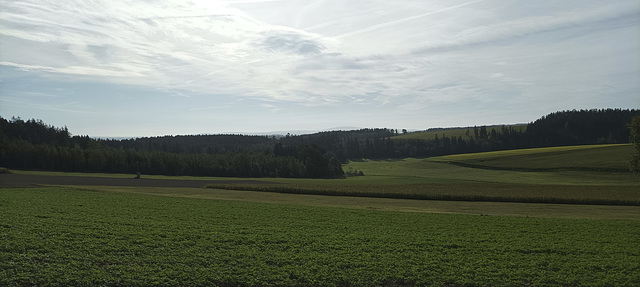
(66, 107)
(291, 42)
(512, 29)
(404, 20)
(406, 56)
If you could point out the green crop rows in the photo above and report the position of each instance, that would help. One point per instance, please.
(487, 192)
(65, 236)
(587, 157)
(504, 176)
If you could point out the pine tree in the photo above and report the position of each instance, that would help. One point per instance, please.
(635, 140)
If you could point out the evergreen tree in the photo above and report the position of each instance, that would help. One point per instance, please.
(635, 140)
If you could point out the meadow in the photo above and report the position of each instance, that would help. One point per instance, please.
(612, 158)
(492, 219)
(80, 237)
(570, 175)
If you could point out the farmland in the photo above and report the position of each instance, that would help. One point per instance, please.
(578, 174)
(492, 219)
(72, 236)
(572, 165)
(587, 157)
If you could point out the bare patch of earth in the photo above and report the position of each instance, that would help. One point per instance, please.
(25, 180)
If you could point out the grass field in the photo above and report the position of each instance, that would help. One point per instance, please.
(68, 236)
(371, 235)
(588, 157)
(572, 176)
(578, 175)
(565, 165)
(540, 210)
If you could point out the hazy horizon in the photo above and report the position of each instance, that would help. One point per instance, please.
(135, 69)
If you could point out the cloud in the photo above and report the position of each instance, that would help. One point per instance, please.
(288, 42)
(65, 107)
(199, 47)
(404, 19)
(403, 56)
(533, 24)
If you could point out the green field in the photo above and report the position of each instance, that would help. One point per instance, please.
(542, 210)
(587, 157)
(372, 234)
(579, 175)
(68, 236)
(573, 165)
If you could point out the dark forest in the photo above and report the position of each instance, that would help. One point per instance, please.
(33, 144)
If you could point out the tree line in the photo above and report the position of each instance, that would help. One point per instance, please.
(576, 127)
(33, 144)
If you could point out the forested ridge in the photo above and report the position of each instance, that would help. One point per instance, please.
(576, 127)
(33, 144)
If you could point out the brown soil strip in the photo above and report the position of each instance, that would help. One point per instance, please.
(24, 180)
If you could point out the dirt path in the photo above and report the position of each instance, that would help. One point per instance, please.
(25, 180)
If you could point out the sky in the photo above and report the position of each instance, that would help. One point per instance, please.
(119, 68)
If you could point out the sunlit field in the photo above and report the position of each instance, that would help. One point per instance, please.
(574, 176)
(70, 236)
(484, 219)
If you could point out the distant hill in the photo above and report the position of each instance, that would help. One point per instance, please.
(579, 127)
(33, 144)
(465, 132)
